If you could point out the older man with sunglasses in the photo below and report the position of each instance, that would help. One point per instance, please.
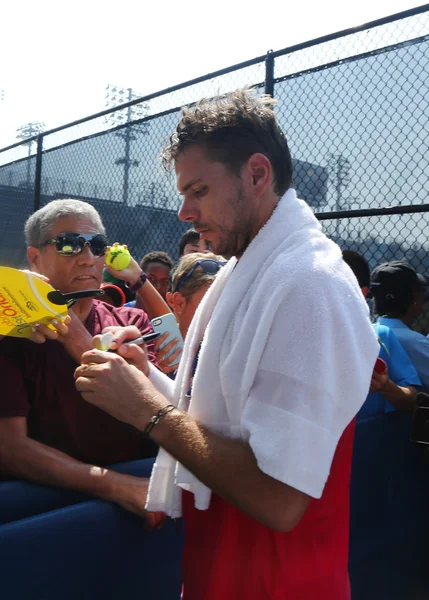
(48, 433)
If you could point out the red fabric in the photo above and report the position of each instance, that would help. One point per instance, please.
(37, 382)
(230, 556)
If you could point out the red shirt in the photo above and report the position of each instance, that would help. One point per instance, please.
(37, 382)
(230, 556)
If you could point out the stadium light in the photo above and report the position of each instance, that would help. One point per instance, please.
(115, 96)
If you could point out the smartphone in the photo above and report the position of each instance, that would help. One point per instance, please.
(167, 323)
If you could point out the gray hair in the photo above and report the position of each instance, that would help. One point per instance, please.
(37, 227)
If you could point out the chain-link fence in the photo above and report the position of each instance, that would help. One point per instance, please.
(354, 106)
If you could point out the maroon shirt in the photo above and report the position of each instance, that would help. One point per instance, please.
(37, 382)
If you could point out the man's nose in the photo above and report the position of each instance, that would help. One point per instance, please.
(188, 212)
(86, 255)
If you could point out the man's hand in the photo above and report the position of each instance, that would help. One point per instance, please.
(41, 333)
(133, 498)
(129, 274)
(379, 381)
(133, 354)
(107, 381)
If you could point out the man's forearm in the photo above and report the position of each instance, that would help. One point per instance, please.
(402, 398)
(154, 304)
(77, 343)
(229, 468)
(27, 459)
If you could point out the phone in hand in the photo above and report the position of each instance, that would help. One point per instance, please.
(168, 324)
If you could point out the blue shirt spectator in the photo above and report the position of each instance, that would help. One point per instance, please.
(401, 370)
(415, 345)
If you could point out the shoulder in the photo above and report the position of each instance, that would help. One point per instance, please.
(317, 279)
(123, 316)
(384, 333)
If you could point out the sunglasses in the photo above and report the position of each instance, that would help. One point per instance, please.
(210, 267)
(69, 243)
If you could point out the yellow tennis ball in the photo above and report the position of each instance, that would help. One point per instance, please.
(118, 257)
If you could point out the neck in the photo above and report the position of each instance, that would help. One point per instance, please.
(82, 308)
(267, 205)
(406, 319)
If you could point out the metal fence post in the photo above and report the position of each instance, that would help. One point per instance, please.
(269, 73)
(38, 174)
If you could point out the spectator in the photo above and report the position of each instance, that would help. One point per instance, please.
(48, 434)
(157, 266)
(136, 281)
(191, 242)
(190, 280)
(396, 387)
(399, 296)
(284, 353)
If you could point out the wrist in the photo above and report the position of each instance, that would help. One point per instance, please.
(136, 283)
(109, 485)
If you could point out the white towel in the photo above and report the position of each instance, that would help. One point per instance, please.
(262, 376)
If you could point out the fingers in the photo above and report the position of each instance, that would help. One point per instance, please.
(167, 348)
(41, 332)
(169, 365)
(84, 385)
(132, 272)
(135, 355)
(38, 336)
(158, 342)
(119, 335)
(98, 357)
(155, 520)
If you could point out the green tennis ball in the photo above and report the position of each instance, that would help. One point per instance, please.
(118, 257)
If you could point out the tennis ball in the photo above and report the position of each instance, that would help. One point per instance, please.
(118, 257)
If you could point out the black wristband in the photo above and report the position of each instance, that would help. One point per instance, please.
(156, 418)
(138, 284)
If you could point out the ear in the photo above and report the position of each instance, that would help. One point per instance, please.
(177, 302)
(34, 258)
(169, 298)
(259, 173)
(365, 291)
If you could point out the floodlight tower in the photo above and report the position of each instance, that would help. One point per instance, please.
(26, 132)
(115, 96)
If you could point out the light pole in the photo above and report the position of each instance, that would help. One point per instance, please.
(339, 174)
(25, 132)
(115, 96)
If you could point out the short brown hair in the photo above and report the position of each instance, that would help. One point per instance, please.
(231, 128)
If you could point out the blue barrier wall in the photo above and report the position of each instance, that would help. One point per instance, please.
(59, 545)
(85, 549)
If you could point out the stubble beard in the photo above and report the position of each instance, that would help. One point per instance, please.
(234, 241)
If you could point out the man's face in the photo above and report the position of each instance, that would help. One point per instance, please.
(196, 246)
(78, 272)
(215, 202)
(159, 276)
